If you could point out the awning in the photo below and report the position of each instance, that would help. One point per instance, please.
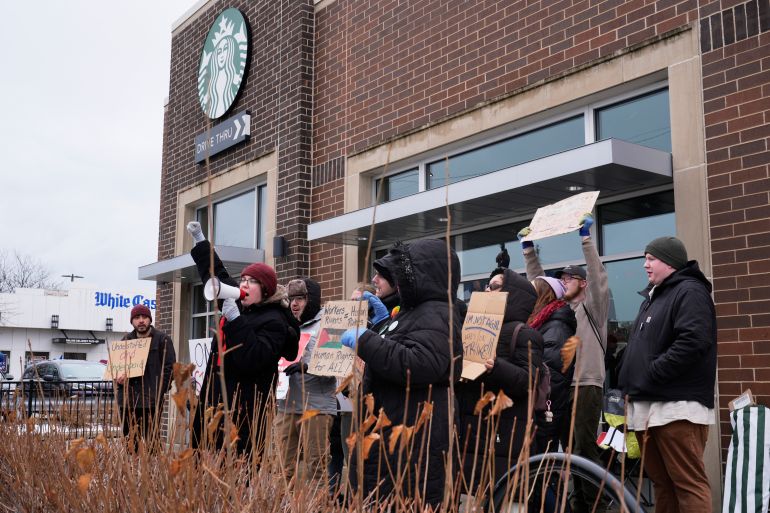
(611, 166)
(182, 268)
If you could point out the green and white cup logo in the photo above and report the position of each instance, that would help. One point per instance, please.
(223, 63)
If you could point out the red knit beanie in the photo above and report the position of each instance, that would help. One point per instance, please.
(141, 310)
(265, 275)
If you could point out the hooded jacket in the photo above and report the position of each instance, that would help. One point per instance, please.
(387, 267)
(672, 349)
(515, 365)
(307, 391)
(256, 340)
(415, 351)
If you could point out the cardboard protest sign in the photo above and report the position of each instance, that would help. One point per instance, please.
(330, 357)
(561, 217)
(304, 338)
(481, 330)
(200, 348)
(127, 357)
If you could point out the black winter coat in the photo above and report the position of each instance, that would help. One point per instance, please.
(672, 350)
(556, 330)
(414, 351)
(512, 373)
(147, 391)
(264, 333)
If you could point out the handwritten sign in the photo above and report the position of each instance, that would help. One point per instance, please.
(200, 348)
(330, 357)
(561, 217)
(304, 338)
(127, 357)
(481, 330)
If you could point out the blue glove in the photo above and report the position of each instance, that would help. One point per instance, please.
(380, 310)
(523, 233)
(585, 225)
(350, 337)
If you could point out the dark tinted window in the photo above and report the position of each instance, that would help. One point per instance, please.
(398, 186)
(629, 225)
(642, 120)
(548, 140)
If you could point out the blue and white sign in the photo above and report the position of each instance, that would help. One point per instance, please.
(112, 301)
(230, 132)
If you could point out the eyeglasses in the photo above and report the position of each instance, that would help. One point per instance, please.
(250, 281)
(566, 278)
(494, 286)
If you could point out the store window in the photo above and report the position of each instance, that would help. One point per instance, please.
(75, 356)
(643, 120)
(35, 356)
(627, 225)
(538, 143)
(202, 314)
(5, 361)
(398, 185)
(239, 220)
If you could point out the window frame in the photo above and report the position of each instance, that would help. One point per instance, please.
(259, 190)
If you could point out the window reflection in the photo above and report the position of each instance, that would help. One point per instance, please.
(548, 140)
(398, 186)
(629, 225)
(235, 221)
(642, 120)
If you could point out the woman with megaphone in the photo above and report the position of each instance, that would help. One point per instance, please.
(256, 329)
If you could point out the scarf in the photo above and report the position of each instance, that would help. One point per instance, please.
(544, 314)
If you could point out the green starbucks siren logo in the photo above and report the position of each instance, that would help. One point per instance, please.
(223, 63)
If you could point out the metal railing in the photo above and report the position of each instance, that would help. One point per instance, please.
(74, 408)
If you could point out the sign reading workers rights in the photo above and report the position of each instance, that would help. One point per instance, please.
(481, 330)
(127, 357)
(330, 357)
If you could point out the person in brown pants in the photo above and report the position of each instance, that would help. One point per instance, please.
(668, 372)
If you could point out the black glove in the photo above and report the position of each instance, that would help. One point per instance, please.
(295, 367)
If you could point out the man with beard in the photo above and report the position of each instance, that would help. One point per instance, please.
(587, 292)
(141, 398)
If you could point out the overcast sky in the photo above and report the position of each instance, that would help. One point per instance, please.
(82, 86)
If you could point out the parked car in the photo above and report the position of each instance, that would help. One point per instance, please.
(65, 377)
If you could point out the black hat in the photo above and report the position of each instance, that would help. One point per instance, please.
(669, 250)
(573, 270)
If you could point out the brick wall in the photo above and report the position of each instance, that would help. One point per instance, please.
(735, 41)
(328, 201)
(277, 92)
(387, 67)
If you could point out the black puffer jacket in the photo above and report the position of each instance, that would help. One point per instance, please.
(556, 330)
(263, 332)
(672, 350)
(511, 374)
(415, 352)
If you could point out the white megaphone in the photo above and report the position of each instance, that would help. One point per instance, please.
(214, 289)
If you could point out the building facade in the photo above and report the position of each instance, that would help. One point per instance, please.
(77, 324)
(408, 116)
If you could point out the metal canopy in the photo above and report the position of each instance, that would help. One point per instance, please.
(182, 268)
(611, 166)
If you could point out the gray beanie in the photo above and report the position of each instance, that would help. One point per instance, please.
(669, 250)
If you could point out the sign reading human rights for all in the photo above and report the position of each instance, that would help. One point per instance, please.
(481, 330)
(330, 357)
(561, 217)
(127, 357)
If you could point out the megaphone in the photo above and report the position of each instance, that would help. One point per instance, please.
(214, 289)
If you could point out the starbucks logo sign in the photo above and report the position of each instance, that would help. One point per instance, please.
(223, 63)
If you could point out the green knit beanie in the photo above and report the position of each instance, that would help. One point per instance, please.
(668, 249)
